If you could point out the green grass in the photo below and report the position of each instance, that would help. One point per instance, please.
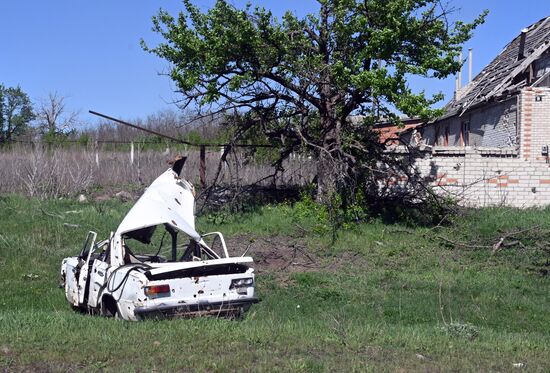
(401, 301)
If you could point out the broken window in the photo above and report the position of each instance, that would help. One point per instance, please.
(163, 243)
(465, 133)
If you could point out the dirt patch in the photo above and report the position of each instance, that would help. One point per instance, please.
(282, 255)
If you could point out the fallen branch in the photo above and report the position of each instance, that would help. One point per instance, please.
(462, 244)
(291, 261)
(51, 215)
(544, 246)
(497, 246)
(246, 250)
(71, 225)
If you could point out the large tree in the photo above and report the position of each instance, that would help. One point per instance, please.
(300, 79)
(16, 113)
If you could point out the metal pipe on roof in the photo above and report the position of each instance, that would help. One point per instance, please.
(521, 49)
(459, 85)
(456, 86)
(470, 54)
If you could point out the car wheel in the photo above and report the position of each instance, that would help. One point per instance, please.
(109, 308)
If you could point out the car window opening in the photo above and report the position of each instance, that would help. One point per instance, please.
(148, 245)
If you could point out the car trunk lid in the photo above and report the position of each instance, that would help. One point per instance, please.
(165, 271)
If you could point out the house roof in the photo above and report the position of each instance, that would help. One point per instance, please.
(505, 73)
(389, 132)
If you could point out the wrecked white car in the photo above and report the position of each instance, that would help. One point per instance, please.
(190, 277)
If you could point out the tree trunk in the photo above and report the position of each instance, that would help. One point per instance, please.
(329, 167)
(326, 178)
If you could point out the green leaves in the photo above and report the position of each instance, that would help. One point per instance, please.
(250, 56)
(302, 79)
(16, 112)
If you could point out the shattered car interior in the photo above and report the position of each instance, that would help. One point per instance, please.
(157, 265)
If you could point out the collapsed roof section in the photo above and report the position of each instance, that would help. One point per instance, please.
(508, 72)
(168, 200)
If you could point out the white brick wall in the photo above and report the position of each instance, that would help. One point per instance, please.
(516, 176)
(535, 122)
(477, 179)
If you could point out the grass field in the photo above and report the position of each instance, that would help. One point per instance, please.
(383, 298)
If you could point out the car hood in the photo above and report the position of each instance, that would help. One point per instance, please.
(168, 200)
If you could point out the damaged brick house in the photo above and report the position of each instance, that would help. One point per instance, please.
(492, 144)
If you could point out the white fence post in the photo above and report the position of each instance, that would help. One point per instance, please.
(96, 153)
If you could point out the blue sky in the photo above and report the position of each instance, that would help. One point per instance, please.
(88, 51)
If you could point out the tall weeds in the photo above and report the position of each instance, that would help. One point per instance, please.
(46, 172)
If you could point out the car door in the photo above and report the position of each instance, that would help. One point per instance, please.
(83, 278)
(98, 275)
